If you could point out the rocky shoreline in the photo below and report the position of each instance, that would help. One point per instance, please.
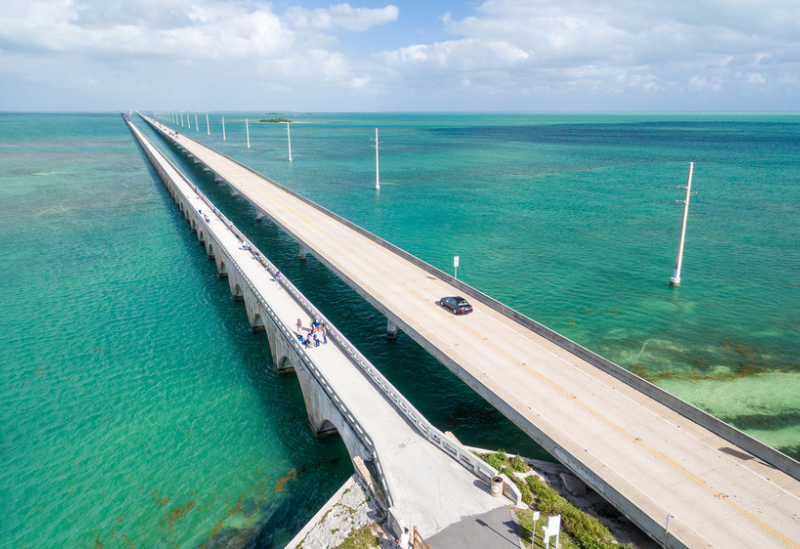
(351, 509)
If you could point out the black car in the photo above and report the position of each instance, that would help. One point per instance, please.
(457, 304)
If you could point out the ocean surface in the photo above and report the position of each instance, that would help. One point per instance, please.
(138, 410)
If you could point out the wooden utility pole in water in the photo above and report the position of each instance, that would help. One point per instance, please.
(676, 278)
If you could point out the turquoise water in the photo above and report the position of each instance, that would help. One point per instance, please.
(138, 409)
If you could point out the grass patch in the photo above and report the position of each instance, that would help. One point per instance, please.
(579, 530)
(363, 538)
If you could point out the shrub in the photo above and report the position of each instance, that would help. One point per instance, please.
(498, 460)
(518, 464)
(584, 528)
(524, 489)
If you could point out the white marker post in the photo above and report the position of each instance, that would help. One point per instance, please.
(196, 126)
(247, 129)
(208, 126)
(553, 529)
(455, 265)
(289, 136)
(676, 278)
(377, 169)
(223, 129)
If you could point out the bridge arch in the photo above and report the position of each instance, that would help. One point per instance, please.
(257, 325)
(285, 365)
(201, 236)
(326, 429)
(222, 269)
(236, 293)
(210, 249)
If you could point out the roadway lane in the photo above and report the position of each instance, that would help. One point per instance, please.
(640, 453)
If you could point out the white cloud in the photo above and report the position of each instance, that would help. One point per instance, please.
(613, 47)
(516, 51)
(461, 55)
(241, 40)
(202, 31)
(183, 29)
(342, 16)
(360, 82)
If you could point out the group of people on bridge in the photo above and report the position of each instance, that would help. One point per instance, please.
(314, 335)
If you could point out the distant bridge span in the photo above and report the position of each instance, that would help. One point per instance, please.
(647, 452)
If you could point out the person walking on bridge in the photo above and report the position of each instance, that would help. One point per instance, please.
(405, 540)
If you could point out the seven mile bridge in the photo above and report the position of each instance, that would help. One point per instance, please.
(684, 477)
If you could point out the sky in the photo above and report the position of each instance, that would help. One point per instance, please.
(419, 56)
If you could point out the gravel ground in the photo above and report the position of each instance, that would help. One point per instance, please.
(354, 509)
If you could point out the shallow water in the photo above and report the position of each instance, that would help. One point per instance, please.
(138, 408)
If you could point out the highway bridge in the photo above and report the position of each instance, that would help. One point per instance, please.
(683, 476)
(422, 478)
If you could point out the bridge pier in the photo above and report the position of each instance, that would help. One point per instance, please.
(255, 312)
(222, 269)
(391, 329)
(303, 252)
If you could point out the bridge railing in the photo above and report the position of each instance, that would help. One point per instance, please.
(287, 334)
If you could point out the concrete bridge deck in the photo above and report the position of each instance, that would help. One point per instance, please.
(650, 454)
(425, 486)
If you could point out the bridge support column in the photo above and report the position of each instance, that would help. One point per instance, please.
(303, 252)
(391, 329)
(255, 313)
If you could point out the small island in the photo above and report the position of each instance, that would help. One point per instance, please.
(275, 120)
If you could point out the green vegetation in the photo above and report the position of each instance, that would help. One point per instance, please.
(363, 538)
(275, 120)
(586, 530)
(583, 531)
